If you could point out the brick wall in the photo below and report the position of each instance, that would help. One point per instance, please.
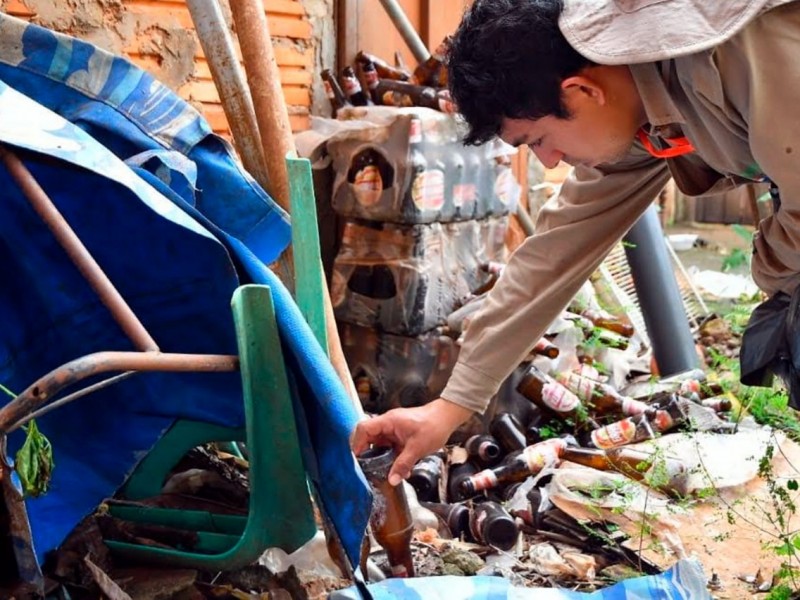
(158, 36)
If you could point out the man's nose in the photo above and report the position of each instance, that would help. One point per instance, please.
(549, 158)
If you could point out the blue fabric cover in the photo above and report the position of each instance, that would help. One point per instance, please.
(176, 230)
(684, 581)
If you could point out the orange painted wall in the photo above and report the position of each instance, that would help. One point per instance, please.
(143, 30)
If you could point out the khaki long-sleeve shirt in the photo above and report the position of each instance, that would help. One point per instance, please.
(739, 104)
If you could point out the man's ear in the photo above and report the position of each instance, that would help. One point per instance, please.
(586, 87)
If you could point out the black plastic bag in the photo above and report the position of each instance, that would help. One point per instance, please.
(771, 345)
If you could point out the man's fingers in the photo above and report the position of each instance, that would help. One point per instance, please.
(402, 466)
(372, 431)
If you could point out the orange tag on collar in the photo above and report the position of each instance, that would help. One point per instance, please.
(678, 146)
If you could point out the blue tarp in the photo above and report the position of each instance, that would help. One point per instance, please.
(684, 581)
(176, 224)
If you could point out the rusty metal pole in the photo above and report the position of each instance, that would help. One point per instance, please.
(78, 253)
(276, 135)
(41, 391)
(263, 77)
(217, 43)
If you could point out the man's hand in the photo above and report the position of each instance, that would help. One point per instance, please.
(413, 432)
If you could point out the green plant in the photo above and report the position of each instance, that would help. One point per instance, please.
(34, 460)
(739, 257)
(779, 592)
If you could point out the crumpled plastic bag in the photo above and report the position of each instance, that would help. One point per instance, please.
(589, 494)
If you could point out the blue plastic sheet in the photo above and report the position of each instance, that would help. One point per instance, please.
(177, 229)
(684, 581)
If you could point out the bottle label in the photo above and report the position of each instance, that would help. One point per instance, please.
(368, 186)
(476, 527)
(559, 398)
(399, 571)
(506, 188)
(483, 480)
(328, 90)
(427, 190)
(616, 434)
(447, 106)
(351, 86)
(632, 407)
(663, 421)
(589, 371)
(463, 193)
(580, 386)
(542, 454)
(371, 78)
(414, 131)
(690, 386)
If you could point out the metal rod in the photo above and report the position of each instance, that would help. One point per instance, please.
(78, 253)
(263, 77)
(69, 398)
(217, 43)
(659, 296)
(40, 392)
(524, 220)
(407, 31)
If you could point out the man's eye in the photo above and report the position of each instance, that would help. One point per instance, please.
(535, 143)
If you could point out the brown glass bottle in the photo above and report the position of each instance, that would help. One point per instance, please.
(425, 477)
(620, 433)
(545, 347)
(433, 71)
(334, 91)
(507, 430)
(420, 95)
(384, 69)
(390, 519)
(717, 403)
(457, 474)
(547, 393)
(352, 88)
(664, 472)
(483, 449)
(601, 397)
(491, 524)
(605, 320)
(455, 516)
(371, 79)
(528, 462)
(671, 415)
(533, 434)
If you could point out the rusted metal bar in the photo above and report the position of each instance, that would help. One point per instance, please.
(263, 77)
(18, 532)
(217, 43)
(42, 390)
(78, 253)
(70, 398)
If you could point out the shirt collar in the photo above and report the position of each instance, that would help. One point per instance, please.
(658, 105)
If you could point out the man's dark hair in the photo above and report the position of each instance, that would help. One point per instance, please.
(507, 59)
